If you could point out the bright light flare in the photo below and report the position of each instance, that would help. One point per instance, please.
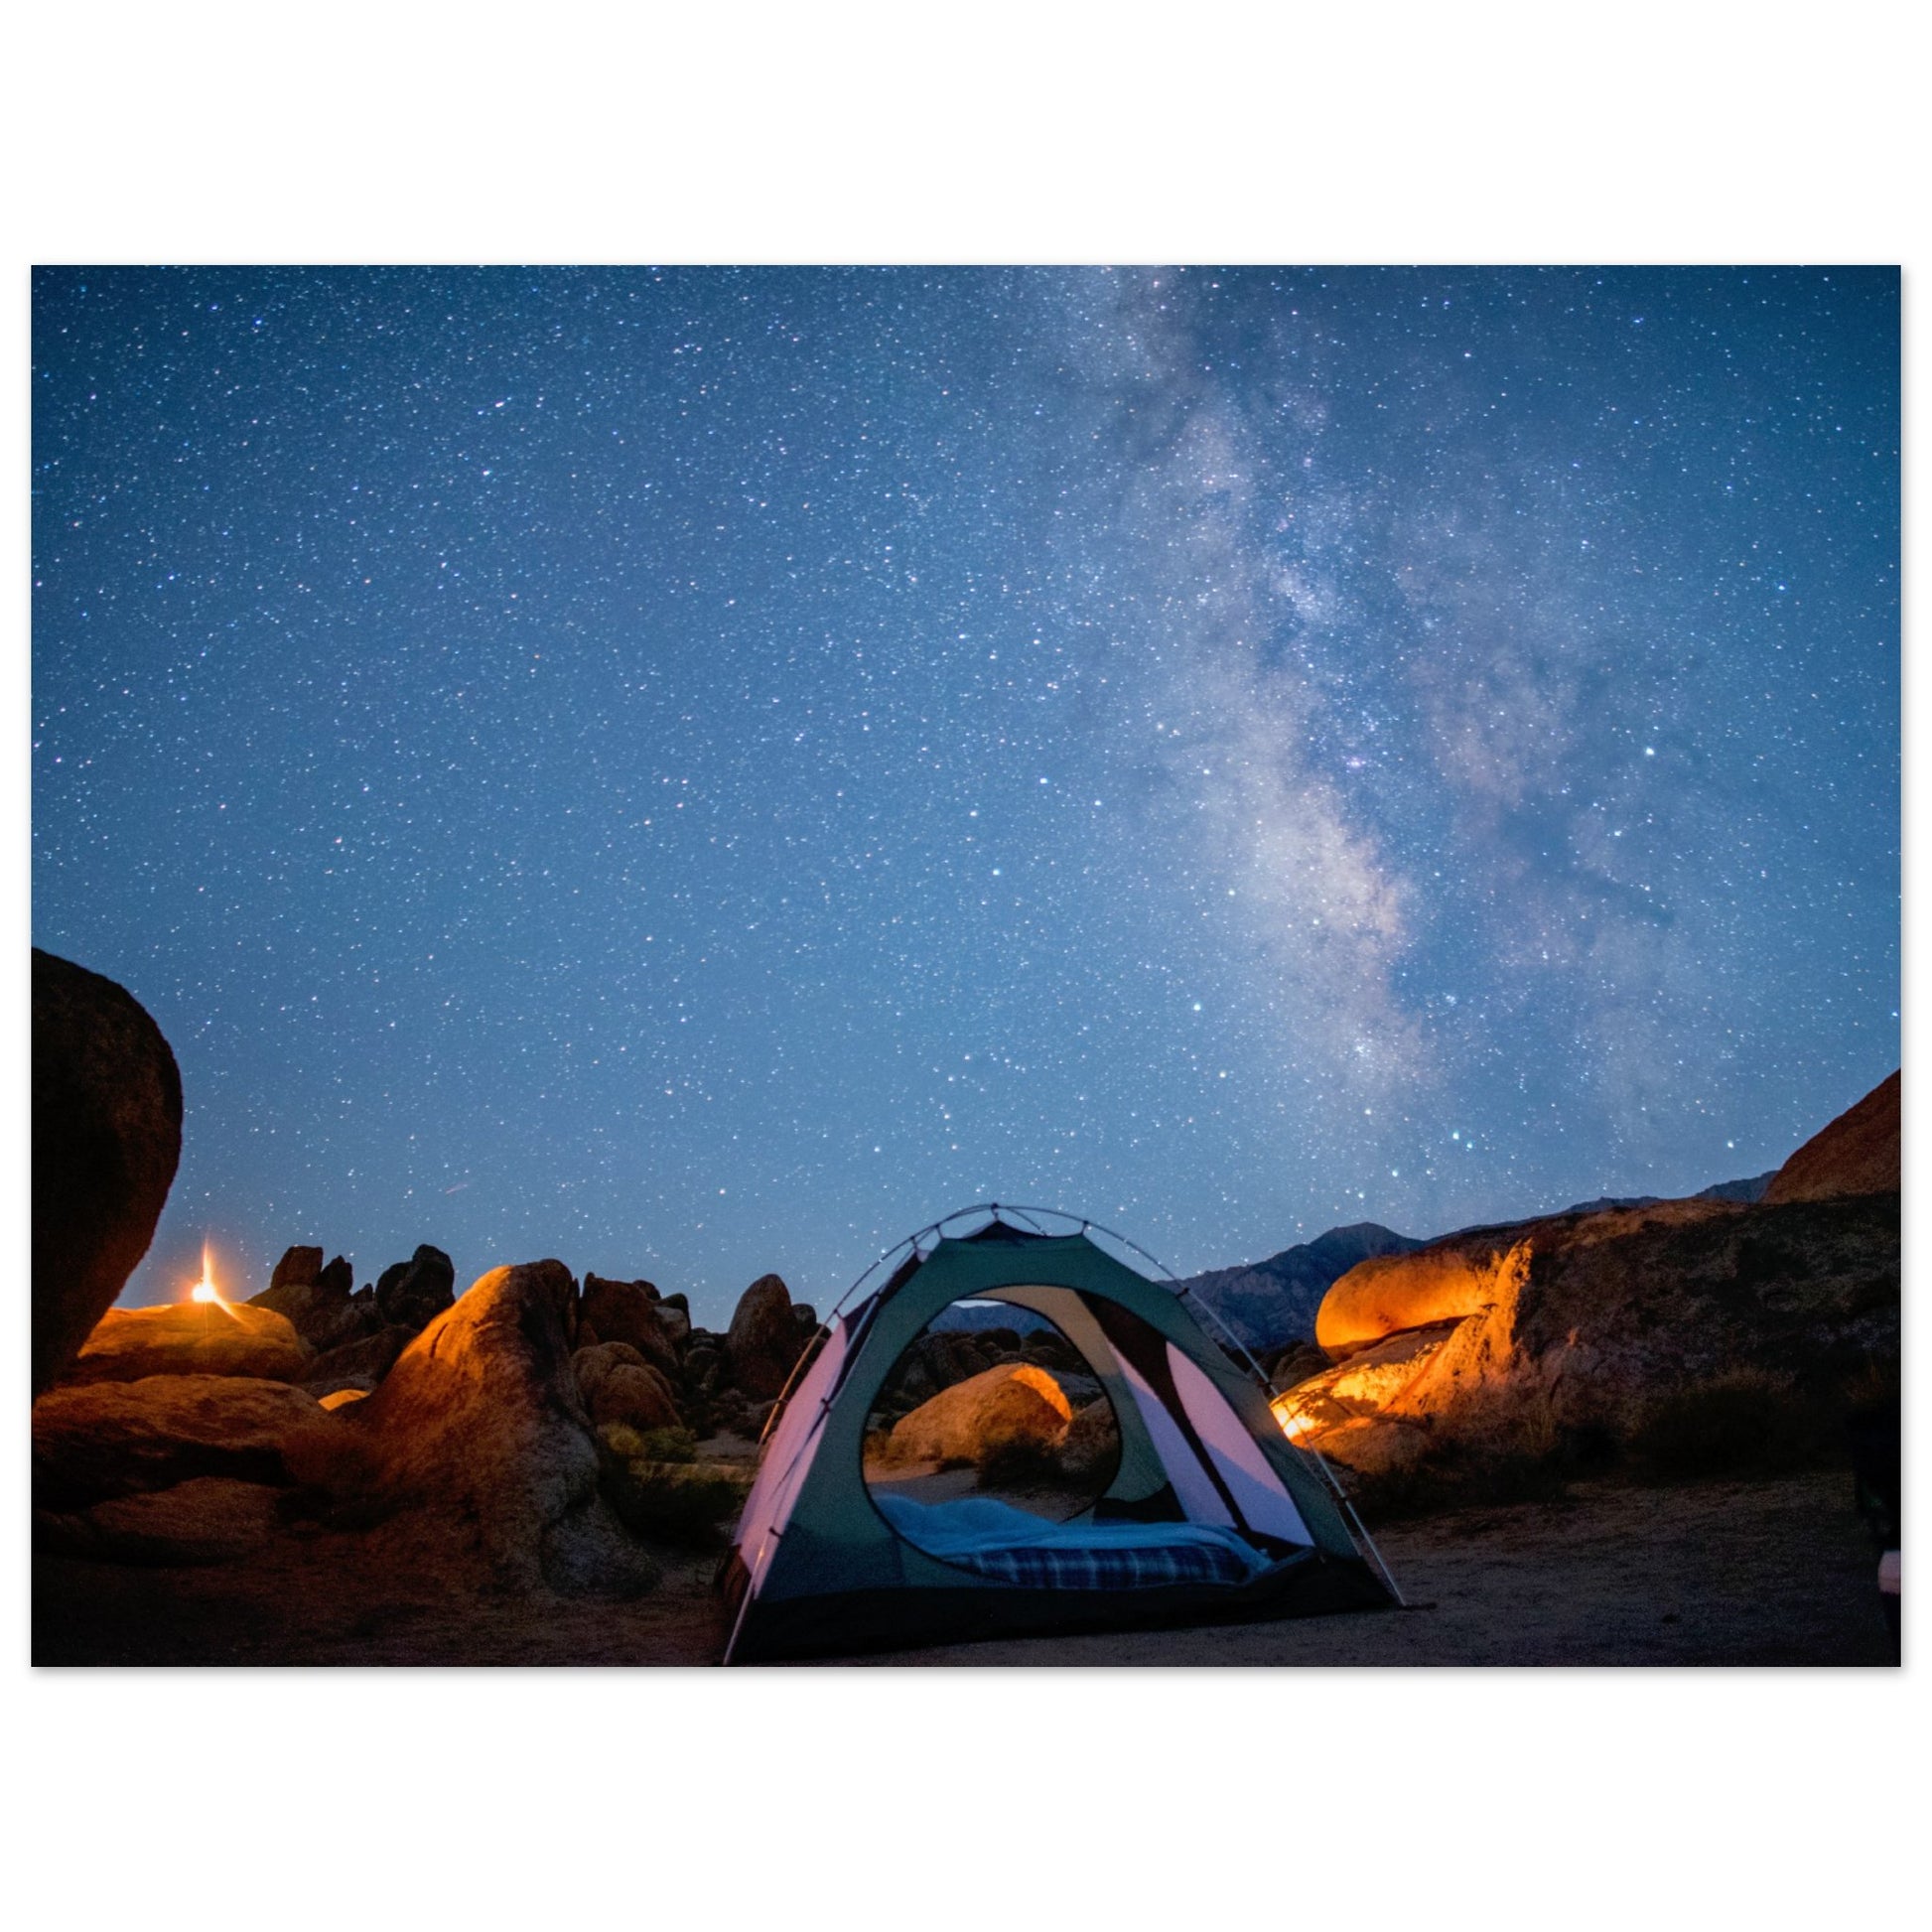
(204, 1290)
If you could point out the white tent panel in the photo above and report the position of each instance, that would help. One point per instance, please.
(787, 1456)
(1258, 1491)
(1191, 1483)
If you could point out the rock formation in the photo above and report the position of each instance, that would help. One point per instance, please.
(996, 1410)
(106, 1143)
(413, 1293)
(626, 1311)
(620, 1386)
(98, 1439)
(192, 1338)
(477, 1443)
(318, 1302)
(765, 1341)
(1858, 1154)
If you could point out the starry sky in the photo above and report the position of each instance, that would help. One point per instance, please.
(698, 771)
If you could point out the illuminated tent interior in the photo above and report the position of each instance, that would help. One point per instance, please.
(1207, 1514)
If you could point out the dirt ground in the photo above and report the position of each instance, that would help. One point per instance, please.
(1717, 1572)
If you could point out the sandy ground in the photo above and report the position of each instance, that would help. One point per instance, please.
(1721, 1573)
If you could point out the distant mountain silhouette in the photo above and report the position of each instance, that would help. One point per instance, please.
(975, 1318)
(1271, 1304)
(1750, 1189)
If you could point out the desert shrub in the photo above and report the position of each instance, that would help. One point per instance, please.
(1747, 1421)
(1494, 1449)
(628, 1445)
(676, 1502)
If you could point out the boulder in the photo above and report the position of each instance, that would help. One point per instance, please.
(372, 1355)
(478, 1447)
(315, 1300)
(626, 1311)
(97, 1439)
(208, 1519)
(342, 1397)
(1856, 1154)
(620, 1386)
(193, 1338)
(1090, 1450)
(950, 1357)
(411, 1293)
(1386, 1293)
(1000, 1407)
(674, 1319)
(704, 1369)
(1592, 1315)
(106, 1124)
(297, 1268)
(763, 1340)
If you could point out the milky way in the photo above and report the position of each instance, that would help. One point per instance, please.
(703, 772)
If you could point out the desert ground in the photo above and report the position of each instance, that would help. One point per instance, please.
(1764, 1572)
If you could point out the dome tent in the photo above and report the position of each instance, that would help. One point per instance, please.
(1212, 1514)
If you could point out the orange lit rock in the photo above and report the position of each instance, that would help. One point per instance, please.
(192, 1338)
(342, 1398)
(1390, 1293)
(110, 1439)
(1589, 1313)
(1368, 1382)
(1858, 1154)
(478, 1447)
(998, 1408)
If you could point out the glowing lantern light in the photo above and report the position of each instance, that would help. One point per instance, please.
(204, 1290)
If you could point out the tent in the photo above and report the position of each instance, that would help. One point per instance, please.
(1212, 1514)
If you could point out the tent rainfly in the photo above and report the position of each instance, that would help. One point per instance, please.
(1211, 1515)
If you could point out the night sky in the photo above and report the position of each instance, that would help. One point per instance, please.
(702, 771)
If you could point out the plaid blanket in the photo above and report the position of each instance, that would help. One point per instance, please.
(1048, 1566)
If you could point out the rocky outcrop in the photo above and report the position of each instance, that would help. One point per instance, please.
(92, 1441)
(1595, 1314)
(764, 1341)
(478, 1445)
(315, 1301)
(370, 1355)
(1090, 1448)
(192, 1338)
(412, 1294)
(208, 1519)
(998, 1409)
(1454, 1277)
(620, 1386)
(626, 1311)
(106, 1096)
(1858, 1154)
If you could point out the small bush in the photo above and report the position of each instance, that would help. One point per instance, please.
(1021, 1463)
(1747, 1421)
(675, 1502)
(628, 1445)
